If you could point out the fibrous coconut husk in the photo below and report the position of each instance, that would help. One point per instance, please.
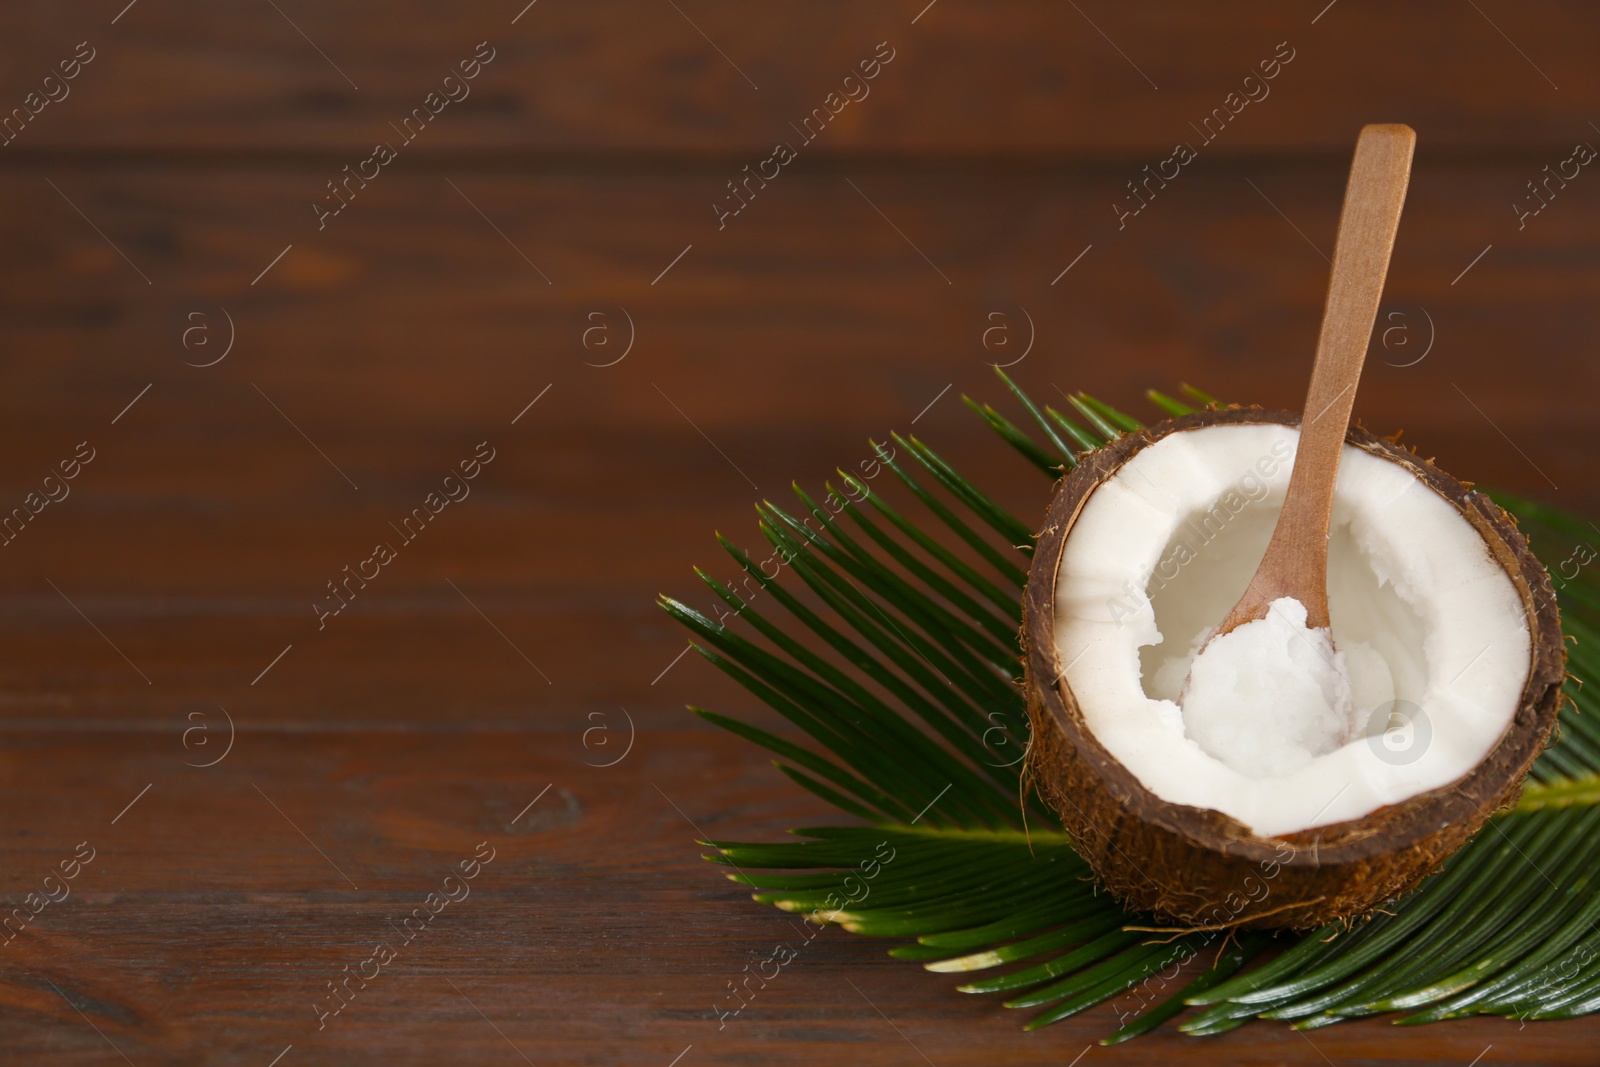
(1204, 869)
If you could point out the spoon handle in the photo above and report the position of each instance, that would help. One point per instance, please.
(1296, 561)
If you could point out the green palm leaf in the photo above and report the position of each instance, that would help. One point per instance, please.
(899, 664)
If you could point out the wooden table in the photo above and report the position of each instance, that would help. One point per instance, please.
(542, 268)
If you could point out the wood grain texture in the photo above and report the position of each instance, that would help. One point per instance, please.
(206, 926)
(987, 174)
(625, 77)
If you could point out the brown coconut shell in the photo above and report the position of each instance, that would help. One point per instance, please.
(1201, 868)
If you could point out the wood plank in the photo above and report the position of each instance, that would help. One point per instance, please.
(206, 925)
(410, 311)
(635, 78)
(206, 527)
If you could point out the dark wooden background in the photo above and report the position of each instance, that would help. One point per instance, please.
(457, 287)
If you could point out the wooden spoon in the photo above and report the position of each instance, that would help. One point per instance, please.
(1296, 562)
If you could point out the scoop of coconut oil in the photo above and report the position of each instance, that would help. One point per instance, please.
(1270, 696)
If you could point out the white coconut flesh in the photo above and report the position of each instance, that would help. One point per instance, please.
(1282, 727)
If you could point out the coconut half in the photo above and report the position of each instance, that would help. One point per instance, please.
(1296, 777)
